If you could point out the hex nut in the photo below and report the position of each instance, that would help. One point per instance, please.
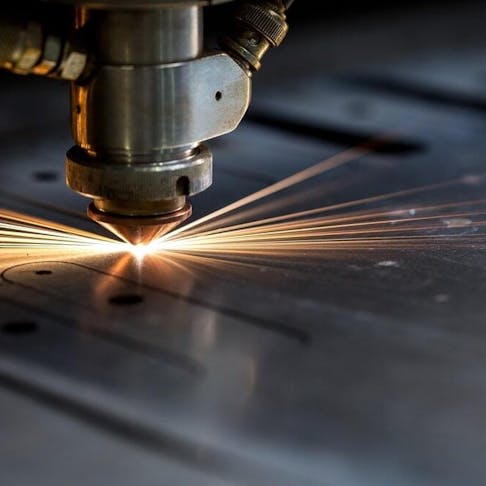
(31, 50)
(50, 56)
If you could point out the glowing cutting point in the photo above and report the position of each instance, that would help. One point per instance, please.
(140, 251)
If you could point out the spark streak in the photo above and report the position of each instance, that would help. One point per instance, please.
(18, 231)
(408, 226)
(356, 225)
(302, 176)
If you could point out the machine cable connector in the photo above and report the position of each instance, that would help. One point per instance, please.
(259, 26)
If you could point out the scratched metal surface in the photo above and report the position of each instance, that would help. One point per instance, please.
(362, 368)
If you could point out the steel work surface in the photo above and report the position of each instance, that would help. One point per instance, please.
(359, 368)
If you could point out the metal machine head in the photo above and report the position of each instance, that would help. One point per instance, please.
(144, 97)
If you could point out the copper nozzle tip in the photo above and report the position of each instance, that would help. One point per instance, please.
(140, 230)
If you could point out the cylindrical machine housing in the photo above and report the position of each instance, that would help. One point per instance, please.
(126, 112)
(152, 98)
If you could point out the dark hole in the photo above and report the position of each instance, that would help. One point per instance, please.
(43, 272)
(182, 186)
(126, 299)
(218, 95)
(19, 327)
(78, 109)
(46, 176)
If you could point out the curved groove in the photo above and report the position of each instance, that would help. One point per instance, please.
(219, 462)
(284, 330)
(168, 356)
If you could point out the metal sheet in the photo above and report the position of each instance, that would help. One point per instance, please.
(359, 368)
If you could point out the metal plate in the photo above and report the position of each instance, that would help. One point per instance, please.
(359, 368)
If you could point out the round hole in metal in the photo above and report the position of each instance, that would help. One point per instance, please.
(126, 299)
(18, 328)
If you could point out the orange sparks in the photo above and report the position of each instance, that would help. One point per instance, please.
(348, 225)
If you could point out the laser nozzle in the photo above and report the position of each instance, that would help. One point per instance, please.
(140, 230)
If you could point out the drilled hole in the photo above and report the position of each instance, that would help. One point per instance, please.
(126, 299)
(43, 272)
(45, 176)
(218, 95)
(182, 186)
(19, 327)
(78, 109)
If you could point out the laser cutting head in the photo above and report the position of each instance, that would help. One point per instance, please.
(140, 230)
(144, 98)
(140, 118)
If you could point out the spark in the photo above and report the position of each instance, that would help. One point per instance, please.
(409, 226)
(21, 232)
(333, 162)
(374, 222)
(141, 251)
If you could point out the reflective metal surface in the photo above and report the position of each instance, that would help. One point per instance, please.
(134, 4)
(185, 107)
(362, 368)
